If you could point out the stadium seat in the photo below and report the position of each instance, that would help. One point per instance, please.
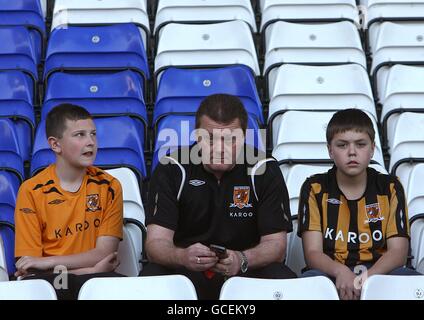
(420, 266)
(10, 155)
(302, 11)
(3, 267)
(114, 94)
(28, 14)
(292, 144)
(417, 239)
(9, 185)
(182, 90)
(411, 175)
(119, 145)
(208, 45)
(207, 11)
(320, 88)
(16, 103)
(395, 44)
(402, 92)
(96, 49)
(407, 144)
(385, 287)
(17, 51)
(315, 44)
(178, 130)
(401, 12)
(127, 256)
(295, 258)
(172, 287)
(27, 290)
(94, 12)
(134, 216)
(315, 288)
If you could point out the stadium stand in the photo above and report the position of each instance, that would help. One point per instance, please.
(174, 287)
(316, 288)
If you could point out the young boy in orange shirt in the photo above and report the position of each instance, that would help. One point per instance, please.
(70, 214)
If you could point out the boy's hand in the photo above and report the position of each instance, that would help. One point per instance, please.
(38, 263)
(107, 264)
(345, 284)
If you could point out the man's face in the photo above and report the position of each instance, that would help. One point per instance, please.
(351, 151)
(220, 143)
(78, 144)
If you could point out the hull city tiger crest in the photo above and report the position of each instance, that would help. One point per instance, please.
(373, 213)
(241, 197)
(93, 202)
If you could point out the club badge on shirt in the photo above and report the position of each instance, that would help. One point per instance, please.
(93, 203)
(373, 213)
(241, 197)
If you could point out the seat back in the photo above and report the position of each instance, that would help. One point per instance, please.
(27, 290)
(385, 287)
(314, 288)
(172, 287)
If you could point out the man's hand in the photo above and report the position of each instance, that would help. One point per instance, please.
(229, 266)
(107, 264)
(26, 263)
(345, 284)
(198, 257)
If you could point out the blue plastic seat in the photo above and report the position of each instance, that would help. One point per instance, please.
(10, 154)
(120, 144)
(28, 14)
(16, 98)
(175, 131)
(17, 51)
(9, 185)
(181, 90)
(115, 94)
(101, 49)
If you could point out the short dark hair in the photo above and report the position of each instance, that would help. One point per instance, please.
(222, 108)
(350, 119)
(56, 118)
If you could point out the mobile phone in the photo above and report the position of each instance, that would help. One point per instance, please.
(221, 252)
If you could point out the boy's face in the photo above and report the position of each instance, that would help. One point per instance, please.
(78, 145)
(351, 152)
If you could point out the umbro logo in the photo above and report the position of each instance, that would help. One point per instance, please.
(56, 201)
(196, 183)
(334, 201)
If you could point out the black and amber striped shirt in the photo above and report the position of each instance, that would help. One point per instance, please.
(354, 231)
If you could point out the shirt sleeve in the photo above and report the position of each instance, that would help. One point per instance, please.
(162, 204)
(112, 222)
(28, 225)
(309, 214)
(397, 225)
(273, 205)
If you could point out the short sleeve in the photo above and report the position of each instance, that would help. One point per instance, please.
(273, 201)
(112, 222)
(309, 214)
(28, 225)
(162, 204)
(397, 225)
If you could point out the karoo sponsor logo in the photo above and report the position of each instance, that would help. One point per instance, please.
(352, 237)
(241, 214)
(74, 229)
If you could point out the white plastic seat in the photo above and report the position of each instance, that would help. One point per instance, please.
(420, 266)
(307, 10)
(415, 191)
(403, 91)
(133, 209)
(330, 88)
(385, 287)
(129, 258)
(408, 140)
(3, 266)
(315, 288)
(186, 11)
(44, 7)
(293, 143)
(390, 10)
(395, 44)
(417, 240)
(81, 12)
(218, 44)
(27, 290)
(295, 258)
(330, 43)
(172, 287)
